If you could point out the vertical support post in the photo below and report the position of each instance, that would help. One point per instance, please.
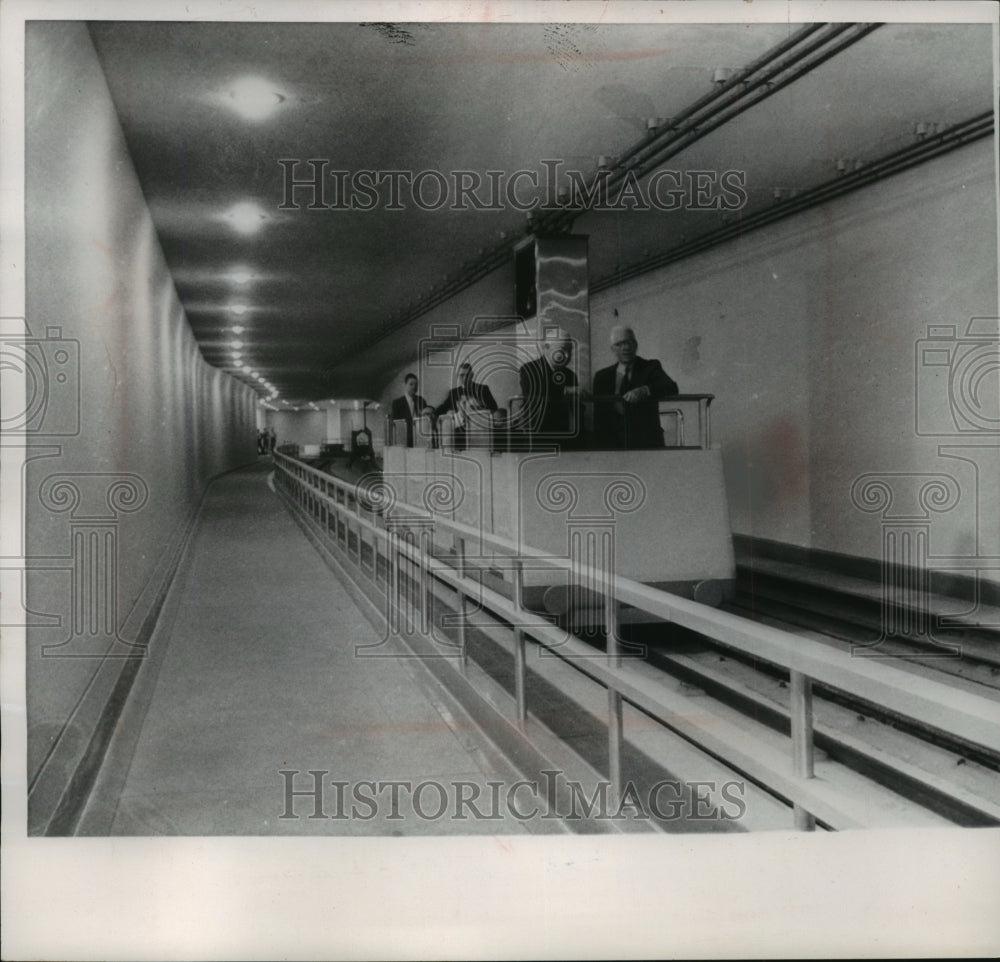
(409, 591)
(801, 714)
(392, 576)
(519, 677)
(421, 538)
(615, 742)
(520, 669)
(427, 610)
(611, 625)
(462, 607)
(358, 525)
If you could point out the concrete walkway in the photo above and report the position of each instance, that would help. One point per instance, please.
(254, 674)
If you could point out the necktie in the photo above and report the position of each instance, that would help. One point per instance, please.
(626, 380)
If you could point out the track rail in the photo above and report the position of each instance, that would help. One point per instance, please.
(900, 753)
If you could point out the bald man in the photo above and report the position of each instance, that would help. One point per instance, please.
(633, 422)
(547, 384)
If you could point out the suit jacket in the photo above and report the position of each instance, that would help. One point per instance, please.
(401, 412)
(546, 410)
(479, 393)
(638, 426)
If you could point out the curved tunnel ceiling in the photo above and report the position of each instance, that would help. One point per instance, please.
(209, 110)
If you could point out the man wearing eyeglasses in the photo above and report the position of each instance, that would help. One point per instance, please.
(626, 412)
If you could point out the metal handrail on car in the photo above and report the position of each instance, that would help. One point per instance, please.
(967, 716)
(673, 406)
(668, 407)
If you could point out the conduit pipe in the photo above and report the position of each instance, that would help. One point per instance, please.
(806, 49)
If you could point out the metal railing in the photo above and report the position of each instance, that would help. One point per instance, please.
(487, 430)
(673, 407)
(399, 534)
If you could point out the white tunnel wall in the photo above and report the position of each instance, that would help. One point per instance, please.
(142, 422)
(807, 332)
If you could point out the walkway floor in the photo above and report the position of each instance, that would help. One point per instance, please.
(255, 675)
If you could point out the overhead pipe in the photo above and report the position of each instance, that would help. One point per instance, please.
(896, 162)
(665, 144)
(694, 128)
(722, 92)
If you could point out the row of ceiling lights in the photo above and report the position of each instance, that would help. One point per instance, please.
(255, 99)
(236, 346)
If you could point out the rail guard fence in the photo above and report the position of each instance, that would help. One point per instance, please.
(355, 517)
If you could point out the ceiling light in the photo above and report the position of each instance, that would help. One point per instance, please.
(238, 308)
(237, 364)
(246, 217)
(238, 329)
(237, 345)
(254, 98)
(241, 276)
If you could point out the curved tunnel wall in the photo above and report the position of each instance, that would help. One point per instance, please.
(134, 434)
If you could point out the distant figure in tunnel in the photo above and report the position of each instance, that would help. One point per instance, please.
(636, 384)
(409, 407)
(549, 387)
(466, 401)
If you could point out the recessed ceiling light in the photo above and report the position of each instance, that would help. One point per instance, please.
(246, 217)
(254, 98)
(236, 345)
(238, 308)
(237, 364)
(241, 276)
(238, 329)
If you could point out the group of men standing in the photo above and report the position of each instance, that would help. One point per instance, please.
(266, 441)
(463, 400)
(625, 396)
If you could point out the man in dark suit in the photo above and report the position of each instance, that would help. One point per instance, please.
(466, 399)
(409, 407)
(549, 387)
(633, 422)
